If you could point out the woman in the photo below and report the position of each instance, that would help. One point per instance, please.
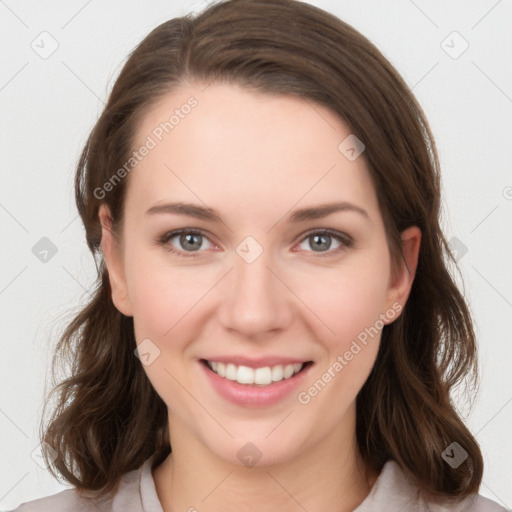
(262, 190)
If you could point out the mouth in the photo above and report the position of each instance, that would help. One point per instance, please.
(256, 377)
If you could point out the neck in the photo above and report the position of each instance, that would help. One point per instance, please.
(192, 478)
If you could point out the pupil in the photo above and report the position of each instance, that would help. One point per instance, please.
(318, 243)
(189, 240)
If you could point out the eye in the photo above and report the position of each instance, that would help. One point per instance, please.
(190, 241)
(321, 241)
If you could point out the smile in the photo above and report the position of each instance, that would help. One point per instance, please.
(260, 376)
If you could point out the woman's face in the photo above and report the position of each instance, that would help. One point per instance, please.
(263, 276)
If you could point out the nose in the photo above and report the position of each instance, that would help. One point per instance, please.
(256, 300)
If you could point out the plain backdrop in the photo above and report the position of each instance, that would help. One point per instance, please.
(455, 55)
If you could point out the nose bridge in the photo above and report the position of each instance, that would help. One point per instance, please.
(254, 279)
(256, 300)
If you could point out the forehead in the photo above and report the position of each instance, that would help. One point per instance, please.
(220, 143)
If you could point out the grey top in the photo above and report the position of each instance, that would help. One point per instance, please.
(137, 493)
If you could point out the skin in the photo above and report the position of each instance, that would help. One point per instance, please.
(255, 158)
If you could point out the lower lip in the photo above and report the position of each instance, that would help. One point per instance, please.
(253, 395)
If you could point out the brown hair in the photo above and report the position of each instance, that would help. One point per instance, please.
(108, 419)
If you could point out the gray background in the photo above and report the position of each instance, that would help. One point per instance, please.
(50, 104)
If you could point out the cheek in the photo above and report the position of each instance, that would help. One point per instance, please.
(162, 295)
(350, 333)
(347, 301)
(165, 300)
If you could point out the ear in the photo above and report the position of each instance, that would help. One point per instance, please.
(114, 262)
(401, 283)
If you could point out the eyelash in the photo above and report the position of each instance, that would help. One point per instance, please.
(345, 240)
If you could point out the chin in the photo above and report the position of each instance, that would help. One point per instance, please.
(259, 449)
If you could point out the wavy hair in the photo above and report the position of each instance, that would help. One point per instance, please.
(107, 418)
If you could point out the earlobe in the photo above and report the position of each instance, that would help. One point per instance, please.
(114, 262)
(401, 285)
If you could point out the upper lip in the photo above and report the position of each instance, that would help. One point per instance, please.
(256, 362)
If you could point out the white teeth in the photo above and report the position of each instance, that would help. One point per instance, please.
(263, 376)
(260, 376)
(288, 371)
(231, 372)
(245, 375)
(221, 370)
(277, 373)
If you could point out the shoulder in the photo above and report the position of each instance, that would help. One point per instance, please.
(478, 503)
(474, 503)
(134, 488)
(394, 491)
(68, 500)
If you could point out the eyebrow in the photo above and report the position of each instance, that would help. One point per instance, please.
(304, 214)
